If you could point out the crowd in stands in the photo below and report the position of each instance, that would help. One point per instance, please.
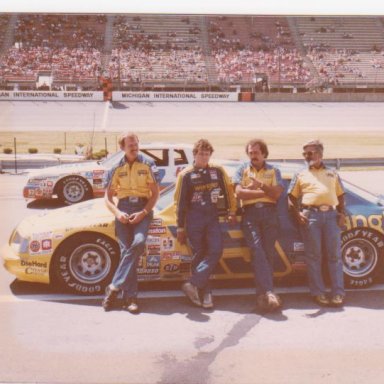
(242, 65)
(70, 47)
(135, 65)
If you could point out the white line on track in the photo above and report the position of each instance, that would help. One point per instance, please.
(166, 294)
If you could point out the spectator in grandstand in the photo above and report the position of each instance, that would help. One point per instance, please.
(196, 196)
(316, 195)
(259, 185)
(136, 196)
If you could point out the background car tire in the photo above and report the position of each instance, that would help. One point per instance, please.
(74, 189)
(363, 256)
(85, 263)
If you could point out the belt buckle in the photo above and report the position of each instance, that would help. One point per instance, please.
(133, 199)
(324, 208)
(258, 205)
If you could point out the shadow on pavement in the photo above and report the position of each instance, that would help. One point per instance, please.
(45, 204)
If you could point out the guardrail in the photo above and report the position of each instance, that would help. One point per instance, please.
(340, 162)
(35, 163)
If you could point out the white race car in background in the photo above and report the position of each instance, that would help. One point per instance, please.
(76, 182)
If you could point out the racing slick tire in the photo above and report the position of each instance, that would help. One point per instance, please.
(85, 263)
(362, 252)
(74, 189)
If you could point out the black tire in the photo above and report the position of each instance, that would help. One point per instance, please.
(85, 263)
(363, 256)
(74, 189)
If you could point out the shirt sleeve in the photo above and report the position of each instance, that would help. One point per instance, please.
(277, 180)
(112, 181)
(154, 174)
(180, 199)
(339, 186)
(294, 187)
(238, 176)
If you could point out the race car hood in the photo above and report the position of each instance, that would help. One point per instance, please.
(67, 169)
(90, 213)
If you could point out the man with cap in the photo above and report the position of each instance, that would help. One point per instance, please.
(316, 196)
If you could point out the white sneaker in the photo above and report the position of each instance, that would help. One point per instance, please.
(207, 300)
(192, 293)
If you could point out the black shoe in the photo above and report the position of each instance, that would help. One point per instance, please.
(322, 300)
(110, 298)
(131, 305)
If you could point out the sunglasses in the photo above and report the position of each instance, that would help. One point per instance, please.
(309, 153)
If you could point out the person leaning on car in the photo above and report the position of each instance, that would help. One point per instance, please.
(134, 181)
(198, 188)
(316, 195)
(259, 186)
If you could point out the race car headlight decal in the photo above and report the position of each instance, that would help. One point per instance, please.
(19, 243)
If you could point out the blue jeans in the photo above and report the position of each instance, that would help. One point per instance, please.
(205, 238)
(260, 228)
(322, 236)
(131, 240)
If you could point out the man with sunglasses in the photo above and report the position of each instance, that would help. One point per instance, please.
(316, 196)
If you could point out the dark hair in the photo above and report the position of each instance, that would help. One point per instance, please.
(261, 143)
(126, 135)
(203, 145)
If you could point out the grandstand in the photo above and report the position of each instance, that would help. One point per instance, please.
(189, 52)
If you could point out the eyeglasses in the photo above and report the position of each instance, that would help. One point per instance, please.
(309, 153)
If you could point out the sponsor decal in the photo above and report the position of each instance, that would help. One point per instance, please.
(153, 261)
(98, 172)
(298, 247)
(153, 240)
(213, 174)
(186, 258)
(156, 222)
(148, 271)
(157, 230)
(153, 249)
(171, 267)
(34, 246)
(195, 176)
(170, 255)
(46, 244)
(168, 243)
(142, 172)
(58, 235)
(121, 174)
(88, 175)
(34, 267)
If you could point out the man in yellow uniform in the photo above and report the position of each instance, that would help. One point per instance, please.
(259, 186)
(134, 181)
(317, 197)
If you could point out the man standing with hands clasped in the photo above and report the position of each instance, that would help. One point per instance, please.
(259, 186)
(134, 181)
(198, 188)
(316, 195)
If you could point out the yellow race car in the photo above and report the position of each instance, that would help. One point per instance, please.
(75, 247)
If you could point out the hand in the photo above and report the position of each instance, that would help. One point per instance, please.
(341, 221)
(302, 219)
(232, 219)
(182, 237)
(254, 184)
(122, 217)
(136, 217)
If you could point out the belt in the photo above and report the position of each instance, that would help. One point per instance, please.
(135, 199)
(260, 205)
(319, 208)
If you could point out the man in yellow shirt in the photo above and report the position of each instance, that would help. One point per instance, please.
(259, 186)
(134, 181)
(316, 195)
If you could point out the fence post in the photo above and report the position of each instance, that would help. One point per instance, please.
(14, 145)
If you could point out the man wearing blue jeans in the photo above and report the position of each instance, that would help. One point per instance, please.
(259, 186)
(134, 181)
(198, 189)
(316, 195)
